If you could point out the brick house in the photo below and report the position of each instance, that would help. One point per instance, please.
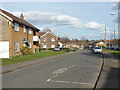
(15, 33)
(48, 40)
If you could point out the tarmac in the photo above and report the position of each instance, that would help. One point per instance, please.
(20, 65)
(109, 77)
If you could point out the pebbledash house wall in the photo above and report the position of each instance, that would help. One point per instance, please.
(9, 34)
(48, 40)
(4, 37)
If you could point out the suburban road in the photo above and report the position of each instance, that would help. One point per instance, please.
(76, 70)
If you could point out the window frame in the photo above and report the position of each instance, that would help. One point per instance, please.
(16, 48)
(30, 31)
(44, 46)
(24, 29)
(16, 26)
(53, 39)
(30, 45)
(52, 46)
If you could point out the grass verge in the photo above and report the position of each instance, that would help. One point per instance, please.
(117, 53)
(20, 58)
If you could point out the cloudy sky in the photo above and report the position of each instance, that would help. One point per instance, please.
(69, 19)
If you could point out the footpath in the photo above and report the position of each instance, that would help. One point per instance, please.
(110, 74)
(20, 65)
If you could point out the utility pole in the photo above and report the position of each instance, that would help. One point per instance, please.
(105, 36)
(114, 30)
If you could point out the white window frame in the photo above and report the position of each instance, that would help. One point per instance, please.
(52, 46)
(52, 39)
(24, 29)
(16, 46)
(16, 27)
(30, 45)
(24, 44)
(44, 46)
(30, 31)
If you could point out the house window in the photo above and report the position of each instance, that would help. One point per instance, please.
(30, 44)
(44, 46)
(16, 46)
(24, 44)
(52, 46)
(30, 31)
(34, 32)
(24, 29)
(44, 39)
(16, 28)
(53, 39)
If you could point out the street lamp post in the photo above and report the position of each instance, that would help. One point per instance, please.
(114, 30)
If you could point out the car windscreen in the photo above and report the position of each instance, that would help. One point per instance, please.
(56, 47)
(97, 47)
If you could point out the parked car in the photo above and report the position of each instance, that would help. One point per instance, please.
(57, 48)
(97, 50)
(91, 48)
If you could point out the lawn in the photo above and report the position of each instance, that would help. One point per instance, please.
(117, 53)
(20, 58)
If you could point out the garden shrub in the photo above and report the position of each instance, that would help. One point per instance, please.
(26, 50)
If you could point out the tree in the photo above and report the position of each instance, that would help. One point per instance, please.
(65, 40)
(87, 41)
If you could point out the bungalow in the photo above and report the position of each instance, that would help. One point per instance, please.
(48, 39)
(15, 33)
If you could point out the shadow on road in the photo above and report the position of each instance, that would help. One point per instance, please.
(110, 76)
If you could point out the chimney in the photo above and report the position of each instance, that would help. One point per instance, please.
(49, 30)
(22, 17)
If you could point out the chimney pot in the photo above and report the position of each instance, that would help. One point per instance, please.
(22, 17)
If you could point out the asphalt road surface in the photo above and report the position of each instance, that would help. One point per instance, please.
(76, 70)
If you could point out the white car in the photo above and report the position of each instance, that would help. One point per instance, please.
(97, 50)
(57, 48)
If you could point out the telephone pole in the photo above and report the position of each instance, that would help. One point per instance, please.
(105, 36)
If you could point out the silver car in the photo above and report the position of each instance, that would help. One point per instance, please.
(97, 50)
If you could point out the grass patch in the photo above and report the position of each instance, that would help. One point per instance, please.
(73, 49)
(20, 58)
(117, 53)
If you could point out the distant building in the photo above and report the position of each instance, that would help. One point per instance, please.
(48, 40)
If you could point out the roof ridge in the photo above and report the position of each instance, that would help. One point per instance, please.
(15, 18)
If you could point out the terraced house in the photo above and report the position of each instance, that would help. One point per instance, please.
(15, 33)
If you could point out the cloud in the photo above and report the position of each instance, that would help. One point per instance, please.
(107, 32)
(50, 18)
(91, 35)
(115, 6)
(94, 26)
(39, 19)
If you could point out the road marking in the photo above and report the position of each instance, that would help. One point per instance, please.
(69, 82)
(49, 79)
(63, 81)
(55, 76)
(81, 83)
(61, 70)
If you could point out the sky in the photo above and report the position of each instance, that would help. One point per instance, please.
(69, 19)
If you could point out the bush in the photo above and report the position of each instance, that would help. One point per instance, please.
(66, 49)
(43, 48)
(26, 50)
(50, 48)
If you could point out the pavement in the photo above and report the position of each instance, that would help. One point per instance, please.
(109, 77)
(75, 70)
